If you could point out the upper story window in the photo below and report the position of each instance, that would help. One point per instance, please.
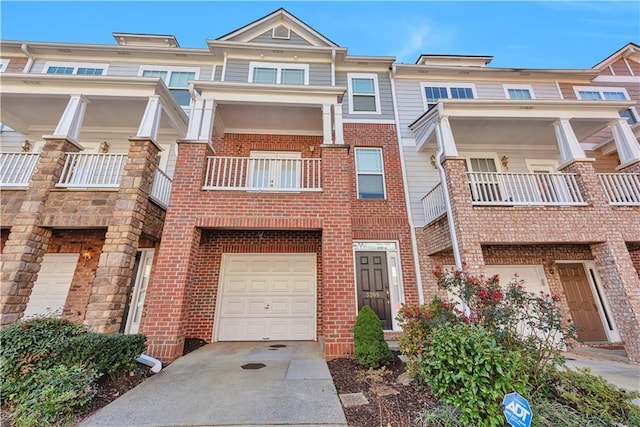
(518, 91)
(4, 63)
(81, 69)
(608, 94)
(370, 173)
(276, 73)
(436, 91)
(176, 79)
(364, 95)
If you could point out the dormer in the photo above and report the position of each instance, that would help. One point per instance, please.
(454, 60)
(146, 40)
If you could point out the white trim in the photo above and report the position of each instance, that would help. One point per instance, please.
(146, 255)
(224, 260)
(384, 181)
(559, 90)
(617, 79)
(628, 66)
(273, 33)
(75, 66)
(396, 298)
(224, 67)
(599, 297)
(213, 73)
(550, 165)
(507, 86)
(601, 90)
(278, 66)
(446, 85)
(4, 63)
(376, 89)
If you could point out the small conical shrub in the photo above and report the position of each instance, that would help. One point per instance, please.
(372, 351)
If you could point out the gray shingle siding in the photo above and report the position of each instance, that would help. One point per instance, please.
(385, 98)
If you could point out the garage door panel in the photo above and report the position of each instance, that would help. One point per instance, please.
(49, 292)
(279, 300)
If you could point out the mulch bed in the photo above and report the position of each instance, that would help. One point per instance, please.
(400, 410)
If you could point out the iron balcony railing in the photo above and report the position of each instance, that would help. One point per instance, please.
(16, 168)
(530, 189)
(622, 189)
(263, 174)
(433, 204)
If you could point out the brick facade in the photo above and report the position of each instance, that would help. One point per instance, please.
(335, 216)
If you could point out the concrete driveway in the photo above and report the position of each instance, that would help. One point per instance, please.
(210, 387)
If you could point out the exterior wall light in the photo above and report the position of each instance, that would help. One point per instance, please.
(26, 146)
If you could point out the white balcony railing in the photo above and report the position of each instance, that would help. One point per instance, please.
(16, 168)
(161, 188)
(530, 189)
(622, 189)
(92, 170)
(433, 203)
(258, 174)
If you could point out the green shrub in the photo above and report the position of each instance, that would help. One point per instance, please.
(440, 416)
(104, 353)
(52, 396)
(593, 396)
(554, 414)
(465, 367)
(371, 350)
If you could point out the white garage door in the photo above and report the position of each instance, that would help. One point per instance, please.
(267, 297)
(52, 286)
(533, 276)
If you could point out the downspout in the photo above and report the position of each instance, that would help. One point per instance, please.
(25, 49)
(333, 67)
(414, 243)
(447, 201)
(155, 364)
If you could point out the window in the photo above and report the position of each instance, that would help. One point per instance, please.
(436, 91)
(280, 74)
(81, 69)
(274, 170)
(370, 173)
(608, 94)
(176, 79)
(363, 93)
(518, 91)
(4, 63)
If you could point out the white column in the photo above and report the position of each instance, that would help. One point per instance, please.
(626, 143)
(201, 120)
(568, 144)
(326, 124)
(150, 119)
(71, 121)
(445, 138)
(337, 123)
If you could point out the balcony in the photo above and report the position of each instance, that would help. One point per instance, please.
(524, 189)
(16, 169)
(263, 174)
(622, 189)
(433, 204)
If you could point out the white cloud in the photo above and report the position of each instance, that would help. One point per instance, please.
(415, 40)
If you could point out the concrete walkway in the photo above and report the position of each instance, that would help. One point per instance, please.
(209, 387)
(624, 375)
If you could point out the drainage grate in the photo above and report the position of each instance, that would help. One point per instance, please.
(277, 346)
(253, 366)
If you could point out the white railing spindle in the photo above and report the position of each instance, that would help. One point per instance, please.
(433, 203)
(262, 174)
(90, 170)
(161, 188)
(622, 189)
(16, 168)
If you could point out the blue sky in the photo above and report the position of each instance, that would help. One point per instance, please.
(541, 34)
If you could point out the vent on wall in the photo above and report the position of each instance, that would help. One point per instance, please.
(281, 32)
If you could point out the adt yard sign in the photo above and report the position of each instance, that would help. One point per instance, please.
(517, 410)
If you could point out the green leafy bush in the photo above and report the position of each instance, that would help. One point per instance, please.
(465, 367)
(371, 349)
(593, 396)
(104, 353)
(51, 396)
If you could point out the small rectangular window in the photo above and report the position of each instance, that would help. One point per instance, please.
(518, 91)
(60, 70)
(363, 94)
(608, 94)
(433, 92)
(265, 75)
(81, 69)
(584, 94)
(277, 73)
(292, 77)
(370, 173)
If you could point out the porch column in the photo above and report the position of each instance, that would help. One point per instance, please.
(115, 267)
(444, 135)
(622, 287)
(201, 120)
(326, 124)
(568, 144)
(150, 119)
(28, 239)
(166, 305)
(71, 121)
(626, 143)
(338, 126)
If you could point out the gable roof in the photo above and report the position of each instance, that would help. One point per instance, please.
(630, 50)
(275, 19)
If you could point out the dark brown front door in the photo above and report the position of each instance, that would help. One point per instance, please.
(583, 308)
(373, 285)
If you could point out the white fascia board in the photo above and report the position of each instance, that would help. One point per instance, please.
(256, 93)
(218, 47)
(617, 79)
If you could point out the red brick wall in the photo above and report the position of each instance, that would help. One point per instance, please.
(203, 286)
(16, 64)
(634, 251)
